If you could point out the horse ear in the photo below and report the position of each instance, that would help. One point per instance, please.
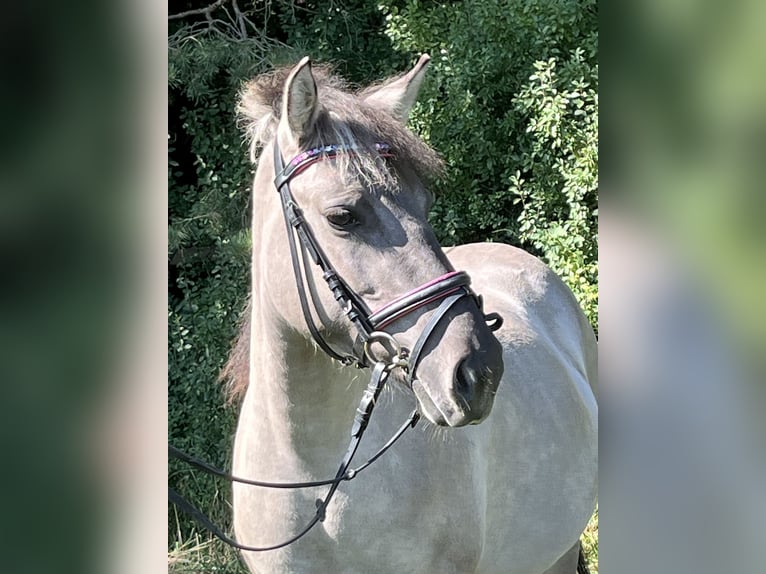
(399, 95)
(299, 100)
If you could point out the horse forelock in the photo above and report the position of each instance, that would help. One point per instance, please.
(343, 118)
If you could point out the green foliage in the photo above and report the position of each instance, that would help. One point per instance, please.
(558, 191)
(510, 102)
(208, 249)
(518, 136)
(350, 34)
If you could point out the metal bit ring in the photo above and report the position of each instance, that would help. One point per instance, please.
(398, 354)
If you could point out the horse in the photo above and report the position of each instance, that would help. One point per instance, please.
(501, 475)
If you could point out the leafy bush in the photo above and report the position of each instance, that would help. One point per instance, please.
(519, 135)
(558, 192)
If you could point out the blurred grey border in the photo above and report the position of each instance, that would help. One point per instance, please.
(682, 269)
(82, 286)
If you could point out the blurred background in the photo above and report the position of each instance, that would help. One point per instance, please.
(682, 260)
(98, 318)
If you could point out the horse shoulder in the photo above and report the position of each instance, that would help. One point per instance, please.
(543, 427)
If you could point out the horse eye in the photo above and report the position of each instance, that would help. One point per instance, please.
(341, 218)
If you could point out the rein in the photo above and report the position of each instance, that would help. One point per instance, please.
(362, 416)
(449, 288)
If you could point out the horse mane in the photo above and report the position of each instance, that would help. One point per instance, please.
(235, 375)
(344, 118)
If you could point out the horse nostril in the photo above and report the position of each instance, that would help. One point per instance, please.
(466, 380)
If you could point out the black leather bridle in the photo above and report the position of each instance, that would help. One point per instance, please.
(447, 289)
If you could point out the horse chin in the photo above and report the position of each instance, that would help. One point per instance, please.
(441, 415)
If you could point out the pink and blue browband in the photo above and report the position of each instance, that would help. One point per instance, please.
(309, 157)
(333, 150)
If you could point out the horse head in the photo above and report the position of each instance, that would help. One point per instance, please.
(356, 180)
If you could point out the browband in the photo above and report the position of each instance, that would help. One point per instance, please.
(309, 157)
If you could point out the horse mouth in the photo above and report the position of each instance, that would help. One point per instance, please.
(444, 415)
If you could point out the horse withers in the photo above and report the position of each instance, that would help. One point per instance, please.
(512, 488)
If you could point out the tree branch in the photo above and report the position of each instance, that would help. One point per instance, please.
(206, 11)
(240, 19)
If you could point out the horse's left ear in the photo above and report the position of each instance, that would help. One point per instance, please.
(398, 96)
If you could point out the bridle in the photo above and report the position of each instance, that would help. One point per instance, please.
(448, 290)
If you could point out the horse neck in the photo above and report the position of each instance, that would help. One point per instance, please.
(298, 399)
(299, 402)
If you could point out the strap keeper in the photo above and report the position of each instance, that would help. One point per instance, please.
(331, 278)
(320, 504)
(293, 213)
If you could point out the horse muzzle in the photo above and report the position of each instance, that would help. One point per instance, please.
(465, 393)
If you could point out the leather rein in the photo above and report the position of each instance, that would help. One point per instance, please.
(448, 289)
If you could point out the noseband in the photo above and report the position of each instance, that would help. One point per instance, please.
(447, 289)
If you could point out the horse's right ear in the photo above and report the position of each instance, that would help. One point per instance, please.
(299, 102)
